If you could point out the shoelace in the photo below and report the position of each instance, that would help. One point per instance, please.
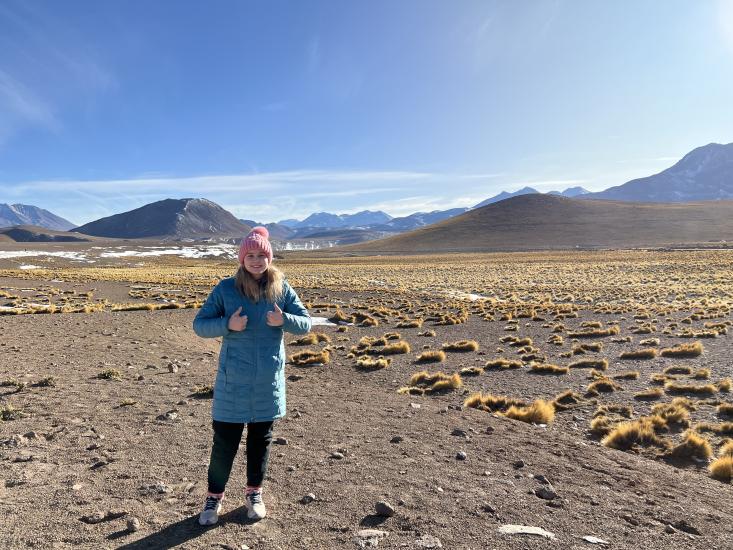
(255, 497)
(211, 503)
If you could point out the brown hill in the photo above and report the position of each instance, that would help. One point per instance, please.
(537, 222)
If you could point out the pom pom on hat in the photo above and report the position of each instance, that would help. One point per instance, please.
(257, 239)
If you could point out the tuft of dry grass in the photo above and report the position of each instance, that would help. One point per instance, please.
(566, 400)
(627, 375)
(600, 364)
(595, 333)
(645, 353)
(48, 382)
(427, 333)
(410, 323)
(369, 363)
(545, 368)
(503, 364)
(693, 446)
(471, 371)
(701, 374)
(8, 412)
(395, 348)
(694, 349)
(461, 345)
(605, 385)
(203, 392)
(649, 394)
(726, 449)
(677, 370)
(491, 403)
(110, 374)
(722, 469)
(310, 357)
(307, 340)
(539, 412)
(679, 388)
(724, 428)
(724, 385)
(650, 342)
(725, 409)
(433, 356)
(436, 382)
(626, 435)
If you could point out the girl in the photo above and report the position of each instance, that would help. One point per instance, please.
(249, 311)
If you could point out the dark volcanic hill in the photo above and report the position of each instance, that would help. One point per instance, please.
(703, 174)
(26, 214)
(169, 219)
(532, 222)
(35, 234)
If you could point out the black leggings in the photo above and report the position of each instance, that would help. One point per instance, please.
(227, 436)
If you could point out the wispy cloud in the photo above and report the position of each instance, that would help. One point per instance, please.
(17, 101)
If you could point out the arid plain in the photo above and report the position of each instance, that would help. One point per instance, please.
(583, 393)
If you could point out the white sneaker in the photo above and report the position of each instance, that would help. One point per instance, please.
(210, 514)
(255, 507)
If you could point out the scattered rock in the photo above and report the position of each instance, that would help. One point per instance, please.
(295, 377)
(459, 432)
(682, 525)
(669, 529)
(428, 541)
(172, 367)
(133, 524)
(307, 499)
(595, 540)
(369, 537)
(518, 464)
(397, 439)
(280, 441)
(546, 493)
(415, 405)
(461, 455)
(99, 464)
(525, 530)
(337, 455)
(488, 508)
(91, 519)
(489, 430)
(384, 509)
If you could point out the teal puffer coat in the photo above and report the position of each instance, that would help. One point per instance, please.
(250, 382)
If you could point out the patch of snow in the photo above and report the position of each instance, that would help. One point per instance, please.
(30, 266)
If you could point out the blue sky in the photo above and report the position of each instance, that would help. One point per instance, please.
(277, 109)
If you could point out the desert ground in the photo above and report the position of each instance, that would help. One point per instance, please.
(582, 394)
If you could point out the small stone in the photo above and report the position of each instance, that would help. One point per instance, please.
(337, 455)
(397, 439)
(133, 524)
(172, 367)
(428, 541)
(546, 493)
(669, 529)
(489, 430)
(99, 464)
(459, 432)
(280, 441)
(488, 508)
(307, 499)
(461, 455)
(518, 464)
(96, 517)
(415, 405)
(595, 540)
(541, 479)
(525, 530)
(384, 509)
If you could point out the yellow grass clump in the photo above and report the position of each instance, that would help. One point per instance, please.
(395, 348)
(546, 368)
(433, 356)
(677, 370)
(693, 446)
(724, 385)
(436, 382)
(110, 374)
(724, 428)
(610, 331)
(427, 333)
(539, 412)
(627, 375)
(461, 345)
(503, 364)
(646, 353)
(491, 403)
(310, 357)
(605, 385)
(725, 409)
(722, 469)
(410, 323)
(649, 394)
(471, 371)
(673, 387)
(683, 350)
(626, 435)
(368, 363)
(600, 364)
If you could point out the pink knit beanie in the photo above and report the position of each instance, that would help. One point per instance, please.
(256, 240)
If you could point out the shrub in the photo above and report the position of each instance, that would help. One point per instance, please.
(310, 357)
(307, 340)
(683, 350)
(692, 446)
(110, 374)
(600, 364)
(503, 364)
(471, 371)
(610, 331)
(368, 363)
(647, 353)
(649, 394)
(8, 412)
(203, 392)
(627, 375)
(395, 348)
(701, 374)
(435, 356)
(604, 384)
(678, 388)
(545, 368)
(539, 412)
(634, 432)
(722, 469)
(491, 403)
(410, 323)
(461, 345)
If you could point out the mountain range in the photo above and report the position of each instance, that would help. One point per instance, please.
(25, 214)
(704, 174)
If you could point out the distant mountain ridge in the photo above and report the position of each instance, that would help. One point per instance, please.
(25, 214)
(703, 174)
(169, 219)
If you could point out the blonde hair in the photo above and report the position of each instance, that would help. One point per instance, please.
(271, 290)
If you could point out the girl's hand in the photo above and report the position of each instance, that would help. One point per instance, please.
(238, 322)
(275, 318)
